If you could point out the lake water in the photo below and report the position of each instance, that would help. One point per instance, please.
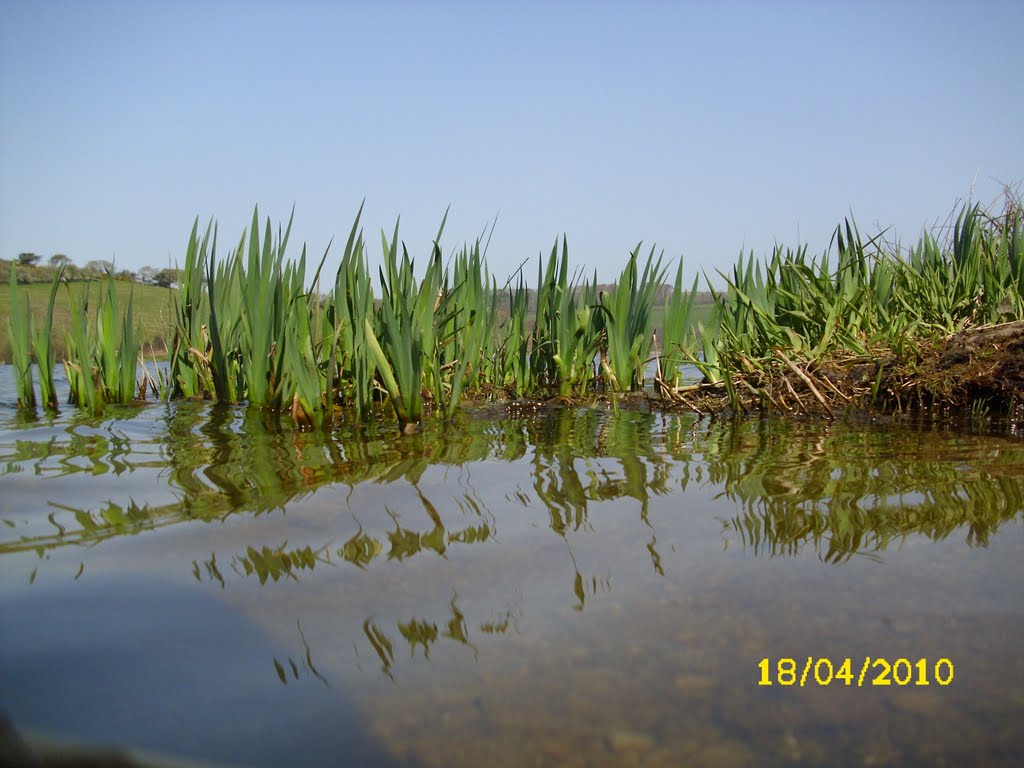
(524, 587)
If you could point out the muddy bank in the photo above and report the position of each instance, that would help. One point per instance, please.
(978, 371)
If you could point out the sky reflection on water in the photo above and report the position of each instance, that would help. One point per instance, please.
(555, 587)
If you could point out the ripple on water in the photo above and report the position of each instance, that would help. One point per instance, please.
(572, 588)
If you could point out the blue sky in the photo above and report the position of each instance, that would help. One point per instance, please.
(702, 127)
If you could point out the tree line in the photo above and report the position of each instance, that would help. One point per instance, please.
(31, 268)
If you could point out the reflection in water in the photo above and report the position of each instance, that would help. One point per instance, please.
(275, 563)
(844, 490)
(561, 587)
(305, 665)
(852, 491)
(423, 632)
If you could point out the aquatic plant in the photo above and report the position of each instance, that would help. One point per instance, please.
(27, 341)
(465, 338)
(78, 365)
(247, 329)
(514, 371)
(679, 330)
(405, 329)
(103, 348)
(118, 346)
(350, 366)
(190, 364)
(566, 334)
(42, 346)
(628, 322)
(777, 320)
(19, 324)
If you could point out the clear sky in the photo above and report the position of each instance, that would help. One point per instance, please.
(705, 128)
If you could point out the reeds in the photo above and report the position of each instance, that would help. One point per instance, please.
(877, 302)
(349, 374)
(43, 349)
(19, 326)
(567, 333)
(247, 329)
(628, 325)
(407, 330)
(103, 349)
(28, 342)
(466, 334)
(679, 331)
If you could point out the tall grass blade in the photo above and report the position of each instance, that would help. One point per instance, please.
(19, 325)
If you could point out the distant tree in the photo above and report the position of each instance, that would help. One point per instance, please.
(59, 260)
(147, 275)
(99, 266)
(127, 275)
(165, 278)
(28, 259)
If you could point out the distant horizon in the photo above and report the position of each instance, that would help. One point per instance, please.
(226, 245)
(704, 129)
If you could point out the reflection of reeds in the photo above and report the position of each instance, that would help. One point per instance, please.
(841, 491)
(276, 563)
(306, 663)
(423, 632)
(828, 490)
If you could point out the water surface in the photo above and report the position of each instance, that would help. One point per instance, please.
(554, 587)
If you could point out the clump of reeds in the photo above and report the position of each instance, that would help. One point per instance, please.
(405, 328)
(28, 342)
(628, 312)
(247, 329)
(349, 373)
(42, 347)
(103, 349)
(19, 326)
(777, 322)
(552, 351)
(566, 335)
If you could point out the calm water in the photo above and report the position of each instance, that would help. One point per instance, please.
(564, 587)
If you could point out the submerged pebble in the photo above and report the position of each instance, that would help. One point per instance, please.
(627, 740)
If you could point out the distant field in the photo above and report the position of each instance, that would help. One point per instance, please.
(701, 312)
(152, 308)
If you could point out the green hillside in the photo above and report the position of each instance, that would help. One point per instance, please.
(153, 309)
